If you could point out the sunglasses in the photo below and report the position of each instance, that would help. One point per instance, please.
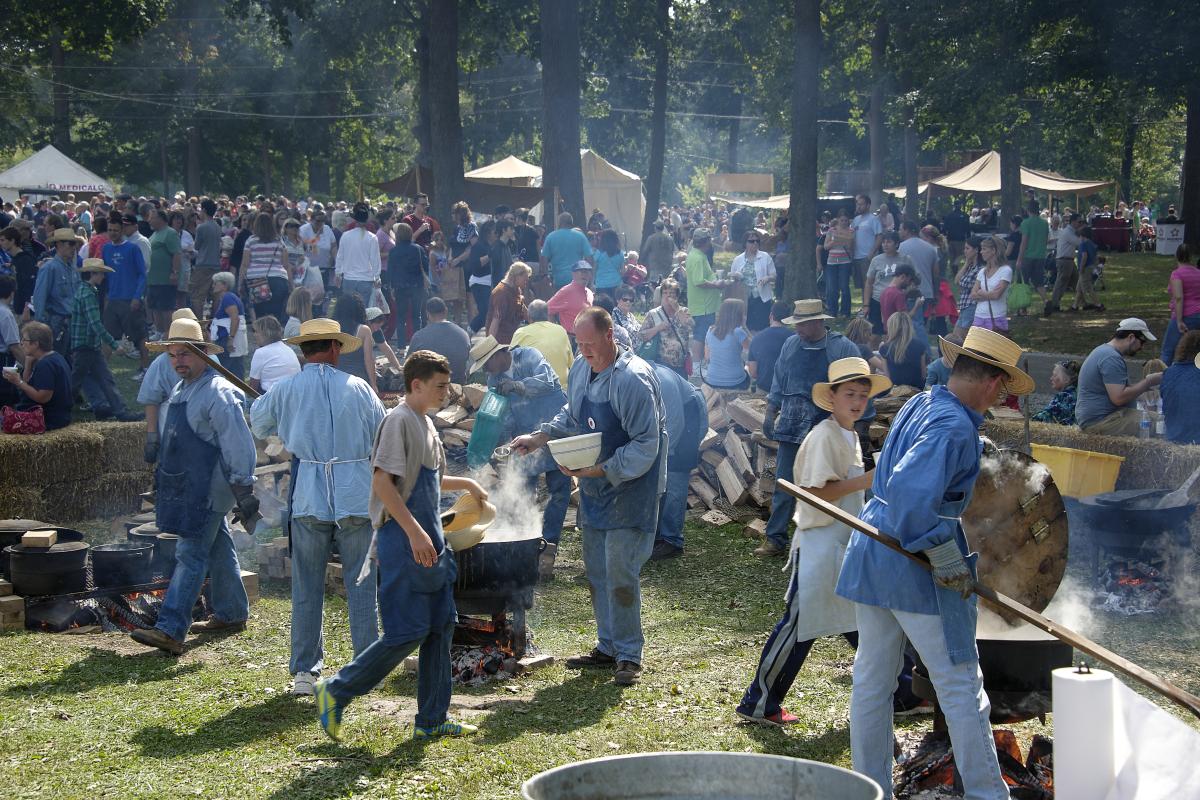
(752, 241)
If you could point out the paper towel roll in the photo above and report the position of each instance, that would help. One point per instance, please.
(1084, 762)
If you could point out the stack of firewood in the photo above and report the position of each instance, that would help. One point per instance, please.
(736, 476)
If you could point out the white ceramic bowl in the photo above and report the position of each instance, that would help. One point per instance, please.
(576, 452)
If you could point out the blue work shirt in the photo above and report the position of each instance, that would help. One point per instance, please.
(564, 248)
(543, 398)
(801, 364)
(54, 290)
(214, 413)
(327, 419)
(128, 282)
(924, 477)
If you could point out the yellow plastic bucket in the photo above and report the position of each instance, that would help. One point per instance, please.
(1079, 473)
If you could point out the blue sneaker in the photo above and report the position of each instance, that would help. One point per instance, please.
(447, 728)
(331, 712)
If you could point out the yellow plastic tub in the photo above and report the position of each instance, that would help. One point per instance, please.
(1079, 473)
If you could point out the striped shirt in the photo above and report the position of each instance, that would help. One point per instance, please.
(266, 260)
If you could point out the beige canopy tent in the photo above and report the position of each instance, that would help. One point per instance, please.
(615, 191)
(508, 171)
(50, 172)
(983, 176)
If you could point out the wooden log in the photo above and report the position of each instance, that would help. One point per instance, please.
(732, 485)
(5, 588)
(764, 460)
(755, 529)
(40, 538)
(473, 395)
(718, 417)
(711, 439)
(693, 501)
(747, 416)
(467, 424)
(736, 452)
(712, 457)
(702, 489)
(450, 417)
(758, 497)
(717, 518)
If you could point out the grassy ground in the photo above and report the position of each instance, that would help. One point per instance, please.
(95, 716)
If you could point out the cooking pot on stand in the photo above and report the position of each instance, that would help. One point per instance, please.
(121, 564)
(11, 531)
(505, 561)
(59, 569)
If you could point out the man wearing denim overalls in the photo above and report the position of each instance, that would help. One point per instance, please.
(923, 481)
(613, 392)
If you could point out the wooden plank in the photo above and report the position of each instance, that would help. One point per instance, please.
(736, 452)
(732, 485)
(764, 460)
(745, 415)
(39, 538)
(716, 518)
(702, 489)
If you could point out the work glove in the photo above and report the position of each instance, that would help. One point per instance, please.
(512, 387)
(950, 569)
(150, 448)
(246, 510)
(769, 418)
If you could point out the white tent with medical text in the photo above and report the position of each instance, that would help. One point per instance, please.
(49, 171)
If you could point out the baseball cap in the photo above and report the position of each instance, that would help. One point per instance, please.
(1137, 326)
(581, 265)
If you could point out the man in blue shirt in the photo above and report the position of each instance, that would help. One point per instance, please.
(327, 419)
(563, 249)
(687, 424)
(923, 482)
(54, 289)
(124, 314)
(766, 346)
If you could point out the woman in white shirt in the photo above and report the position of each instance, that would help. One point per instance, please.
(757, 271)
(273, 360)
(991, 287)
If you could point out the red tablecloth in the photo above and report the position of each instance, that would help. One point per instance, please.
(1111, 234)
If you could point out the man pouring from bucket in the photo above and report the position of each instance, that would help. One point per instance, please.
(613, 392)
(205, 469)
(535, 397)
(924, 478)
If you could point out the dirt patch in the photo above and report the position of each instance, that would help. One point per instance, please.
(469, 707)
(121, 644)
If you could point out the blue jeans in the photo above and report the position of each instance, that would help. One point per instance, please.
(369, 668)
(361, 288)
(1172, 336)
(880, 656)
(837, 282)
(783, 505)
(212, 554)
(559, 487)
(92, 376)
(312, 541)
(483, 298)
(613, 560)
(672, 509)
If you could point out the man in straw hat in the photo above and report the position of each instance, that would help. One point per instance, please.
(54, 289)
(205, 469)
(91, 344)
(535, 397)
(923, 483)
(614, 393)
(327, 420)
(155, 389)
(791, 414)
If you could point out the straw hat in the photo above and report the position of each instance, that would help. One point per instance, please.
(95, 265)
(466, 521)
(320, 328)
(992, 348)
(184, 331)
(66, 235)
(843, 370)
(805, 310)
(482, 350)
(183, 313)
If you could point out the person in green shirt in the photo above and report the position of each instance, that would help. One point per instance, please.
(165, 261)
(703, 290)
(1031, 258)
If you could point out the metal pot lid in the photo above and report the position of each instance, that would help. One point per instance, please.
(22, 525)
(1018, 524)
(60, 547)
(123, 547)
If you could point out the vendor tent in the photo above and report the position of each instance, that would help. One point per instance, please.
(49, 171)
(481, 195)
(616, 192)
(508, 171)
(983, 176)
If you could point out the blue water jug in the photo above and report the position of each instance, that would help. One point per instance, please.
(485, 435)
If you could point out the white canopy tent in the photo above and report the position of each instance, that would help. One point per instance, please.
(508, 171)
(983, 176)
(49, 171)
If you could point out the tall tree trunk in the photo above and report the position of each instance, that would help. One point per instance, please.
(1010, 178)
(875, 118)
(339, 178)
(264, 154)
(445, 125)
(735, 133)
(422, 128)
(561, 166)
(194, 143)
(800, 274)
(288, 167)
(1128, 140)
(912, 200)
(658, 115)
(60, 133)
(166, 174)
(1191, 168)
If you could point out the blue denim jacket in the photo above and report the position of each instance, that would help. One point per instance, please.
(923, 482)
(801, 364)
(544, 396)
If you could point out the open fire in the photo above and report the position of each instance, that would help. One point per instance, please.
(1131, 587)
(928, 773)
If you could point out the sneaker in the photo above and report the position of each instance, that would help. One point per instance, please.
(447, 728)
(778, 719)
(214, 625)
(330, 711)
(303, 683)
(769, 549)
(156, 638)
(137, 376)
(628, 673)
(596, 658)
(900, 709)
(663, 550)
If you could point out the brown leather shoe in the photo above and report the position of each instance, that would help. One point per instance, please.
(770, 549)
(592, 659)
(156, 638)
(628, 673)
(214, 625)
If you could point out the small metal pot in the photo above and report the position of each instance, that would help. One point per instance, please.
(121, 564)
(48, 570)
(11, 531)
(502, 562)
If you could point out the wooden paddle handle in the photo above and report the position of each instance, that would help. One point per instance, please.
(1005, 603)
(234, 379)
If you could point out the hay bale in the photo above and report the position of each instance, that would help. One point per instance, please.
(67, 454)
(123, 443)
(21, 502)
(102, 496)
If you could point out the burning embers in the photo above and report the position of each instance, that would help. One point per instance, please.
(108, 612)
(929, 772)
(1132, 587)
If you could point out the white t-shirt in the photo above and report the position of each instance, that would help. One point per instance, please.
(273, 363)
(866, 227)
(318, 246)
(994, 309)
